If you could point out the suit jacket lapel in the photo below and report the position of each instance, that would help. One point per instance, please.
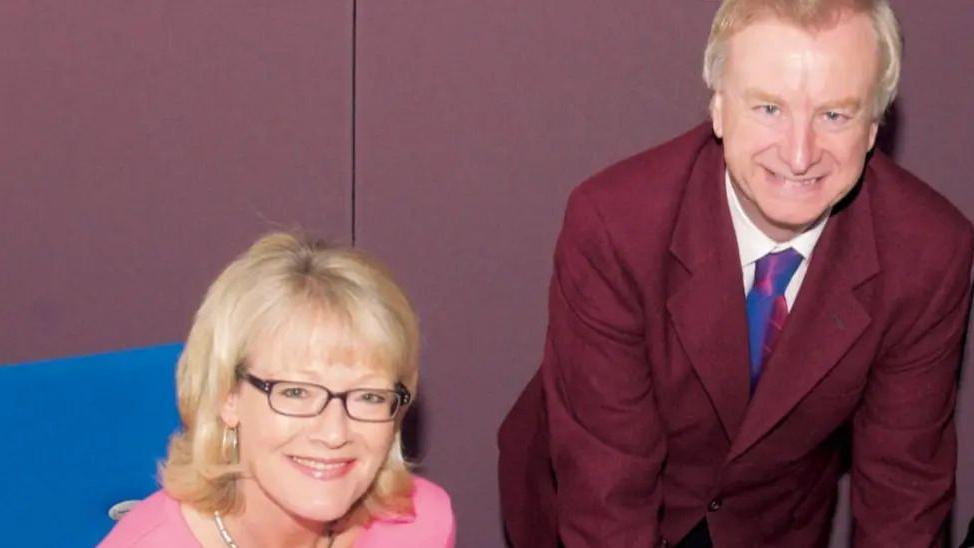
(706, 299)
(824, 322)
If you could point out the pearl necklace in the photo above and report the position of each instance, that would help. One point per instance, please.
(230, 543)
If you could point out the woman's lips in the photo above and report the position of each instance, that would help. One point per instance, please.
(322, 469)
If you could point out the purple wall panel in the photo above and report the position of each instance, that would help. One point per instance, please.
(473, 122)
(474, 119)
(933, 115)
(934, 138)
(143, 144)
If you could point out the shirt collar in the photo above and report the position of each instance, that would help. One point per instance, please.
(752, 244)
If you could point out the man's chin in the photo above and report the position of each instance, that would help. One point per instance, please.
(793, 225)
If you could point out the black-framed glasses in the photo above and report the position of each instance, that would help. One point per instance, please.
(304, 399)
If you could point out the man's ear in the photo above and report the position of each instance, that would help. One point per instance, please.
(717, 114)
(873, 131)
(228, 411)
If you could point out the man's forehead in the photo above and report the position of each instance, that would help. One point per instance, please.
(776, 55)
(819, 29)
(811, 15)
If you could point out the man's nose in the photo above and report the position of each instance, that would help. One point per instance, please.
(331, 426)
(799, 149)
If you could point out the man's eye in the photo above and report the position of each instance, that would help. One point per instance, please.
(376, 398)
(769, 110)
(833, 116)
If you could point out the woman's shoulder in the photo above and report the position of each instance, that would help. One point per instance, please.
(429, 499)
(433, 524)
(156, 522)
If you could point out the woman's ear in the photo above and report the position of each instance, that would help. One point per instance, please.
(228, 412)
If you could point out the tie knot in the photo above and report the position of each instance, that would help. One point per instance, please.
(773, 271)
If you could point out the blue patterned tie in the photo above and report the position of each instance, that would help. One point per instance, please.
(766, 306)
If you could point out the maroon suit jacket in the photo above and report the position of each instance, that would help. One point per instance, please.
(639, 423)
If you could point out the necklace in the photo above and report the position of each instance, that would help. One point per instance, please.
(224, 534)
(230, 543)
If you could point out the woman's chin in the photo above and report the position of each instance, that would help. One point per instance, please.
(318, 507)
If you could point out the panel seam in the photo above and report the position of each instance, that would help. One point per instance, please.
(354, 116)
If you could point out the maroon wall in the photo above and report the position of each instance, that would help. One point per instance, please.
(935, 133)
(474, 119)
(143, 144)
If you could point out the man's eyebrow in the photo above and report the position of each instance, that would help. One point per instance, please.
(755, 94)
(848, 103)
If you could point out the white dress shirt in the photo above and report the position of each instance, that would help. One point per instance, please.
(752, 244)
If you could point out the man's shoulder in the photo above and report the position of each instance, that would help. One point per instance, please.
(906, 207)
(635, 204)
(653, 173)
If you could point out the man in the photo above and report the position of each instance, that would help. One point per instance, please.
(730, 310)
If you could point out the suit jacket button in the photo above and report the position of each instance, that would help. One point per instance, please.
(664, 543)
(714, 505)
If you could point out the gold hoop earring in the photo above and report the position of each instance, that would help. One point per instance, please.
(229, 449)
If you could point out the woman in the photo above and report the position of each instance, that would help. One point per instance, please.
(292, 387)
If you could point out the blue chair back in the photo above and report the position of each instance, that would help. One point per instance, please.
(80, 435)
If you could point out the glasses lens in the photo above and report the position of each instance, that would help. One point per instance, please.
(297, 399)
(372, 405)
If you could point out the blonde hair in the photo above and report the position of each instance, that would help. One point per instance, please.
(283, 276)
(734, 15)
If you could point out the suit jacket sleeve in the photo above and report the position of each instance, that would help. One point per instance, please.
(904, 439)
(607, 444)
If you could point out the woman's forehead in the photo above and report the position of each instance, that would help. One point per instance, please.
(306, 342)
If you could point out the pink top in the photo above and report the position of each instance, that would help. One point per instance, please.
(157, 522)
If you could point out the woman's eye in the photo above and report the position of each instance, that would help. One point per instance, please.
(372, 397)
(294, 392)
